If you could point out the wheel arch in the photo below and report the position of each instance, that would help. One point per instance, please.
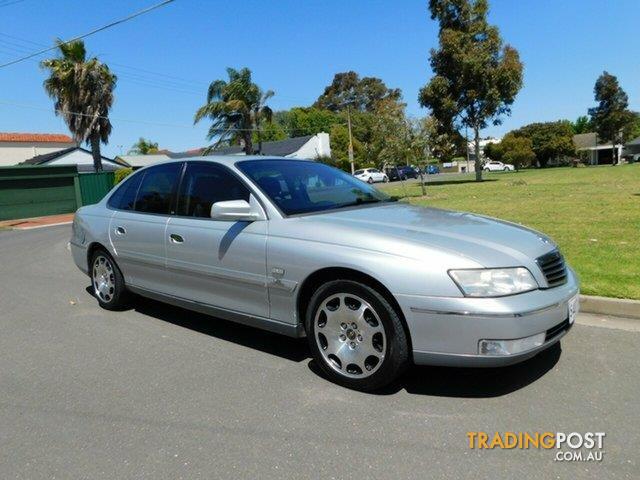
(91, 248)
(319, 277)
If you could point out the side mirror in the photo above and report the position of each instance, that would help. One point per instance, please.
(237, 210)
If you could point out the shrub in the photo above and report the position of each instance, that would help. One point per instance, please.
(121, 174)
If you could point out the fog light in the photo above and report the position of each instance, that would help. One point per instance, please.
(510, 347)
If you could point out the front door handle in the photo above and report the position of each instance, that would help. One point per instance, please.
(175, 238)
(121, 230)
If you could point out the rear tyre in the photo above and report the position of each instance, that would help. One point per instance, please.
(355, 335)
(107, 281)
(386, 179)
(370, 180)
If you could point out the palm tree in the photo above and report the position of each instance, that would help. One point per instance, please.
(143, 147)
(237, 108)
(83, 94)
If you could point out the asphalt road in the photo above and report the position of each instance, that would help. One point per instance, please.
(158, 392)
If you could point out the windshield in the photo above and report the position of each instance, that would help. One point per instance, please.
(301, 186)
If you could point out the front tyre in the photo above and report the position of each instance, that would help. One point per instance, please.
(356, 336)
(370, 180)
(386, 179)
(107, 281)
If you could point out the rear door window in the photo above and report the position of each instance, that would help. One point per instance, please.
(157, 190)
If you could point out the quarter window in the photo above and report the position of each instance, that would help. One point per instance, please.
(205, 184)
(157, 189)
(124, 197)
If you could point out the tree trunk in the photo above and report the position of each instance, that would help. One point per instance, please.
(478, 164)
(95, 152)
(248, 144)
(258, 127)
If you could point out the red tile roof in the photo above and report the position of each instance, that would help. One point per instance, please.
(35, 137)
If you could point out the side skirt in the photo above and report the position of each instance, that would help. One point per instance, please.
(263, 323)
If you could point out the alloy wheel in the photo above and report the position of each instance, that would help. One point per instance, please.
(103, 278)
(350, 335)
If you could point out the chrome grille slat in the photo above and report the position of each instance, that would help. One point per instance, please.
(553, 268)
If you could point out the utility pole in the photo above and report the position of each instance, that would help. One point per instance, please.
(350, 139)
(466, 138)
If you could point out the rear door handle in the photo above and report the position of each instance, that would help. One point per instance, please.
(121, 231)
(175, 238)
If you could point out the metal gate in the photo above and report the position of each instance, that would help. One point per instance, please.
(36, 191)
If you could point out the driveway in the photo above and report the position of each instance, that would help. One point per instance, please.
(158, 392)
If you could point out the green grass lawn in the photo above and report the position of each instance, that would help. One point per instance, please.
(592, 213)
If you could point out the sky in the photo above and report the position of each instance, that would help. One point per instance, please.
(165, 59)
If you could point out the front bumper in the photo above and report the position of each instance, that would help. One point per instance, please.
(447, 330)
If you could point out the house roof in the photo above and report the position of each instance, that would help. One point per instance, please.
(278, 148)
(35, 137)
(589, 141)
(633, 143)
(142, 160)
(194, 152)
(49, 157)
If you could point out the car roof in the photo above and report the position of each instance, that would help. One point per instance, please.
(228, 160)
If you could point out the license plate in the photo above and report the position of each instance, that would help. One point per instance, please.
(574, 307)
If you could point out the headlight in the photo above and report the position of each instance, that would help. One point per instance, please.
(493, 282)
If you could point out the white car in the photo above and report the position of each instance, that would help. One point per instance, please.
(371, 175)
(494, 166)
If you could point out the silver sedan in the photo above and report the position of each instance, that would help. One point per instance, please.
(303, 249)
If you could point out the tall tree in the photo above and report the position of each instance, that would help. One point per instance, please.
(632, 130)
(237, 108)
(549, 140)
(611, 116)
(361, 94)
(392, 134)
(516, 150)
(83, 93)
(144, 147)
(300, 121)
(582, 125)
(476, 77)
(435, 141)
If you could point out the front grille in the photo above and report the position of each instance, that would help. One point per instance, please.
(557, 330)
(553, 268)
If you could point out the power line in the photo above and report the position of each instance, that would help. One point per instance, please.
(6, 4)
(144, 122)
(21, 48)
(92, 32)
(10, 48)
(145, 77)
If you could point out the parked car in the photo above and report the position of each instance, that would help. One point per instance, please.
(431, 169)
(401, 172)
(409, 172)
(495, 166)
(392, 173)
(303, 249)
(371, 175)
